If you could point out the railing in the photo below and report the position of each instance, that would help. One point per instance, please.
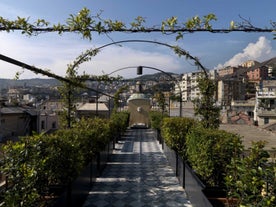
(270, 94)
(262, 112)
(187, 178)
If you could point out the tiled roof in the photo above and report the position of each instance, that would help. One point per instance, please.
(18, 110)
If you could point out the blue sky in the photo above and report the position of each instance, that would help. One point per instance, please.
(54, 52)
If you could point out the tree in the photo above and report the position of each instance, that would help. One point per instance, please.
(205, 106)
(117, 97)
(251, 179)
(161, 101)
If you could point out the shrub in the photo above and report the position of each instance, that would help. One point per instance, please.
(251, 179)
(119, 123)
(209, 151)
(174, 131)
(156, 119)
(35, 163)
(63, 149)
(23, 163)
(93, 134)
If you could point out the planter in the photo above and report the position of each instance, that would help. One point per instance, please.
(171, 157)
(187, 178)
(218, 197)
(103, 156)
(76, 193)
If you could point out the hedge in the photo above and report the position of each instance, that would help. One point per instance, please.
(209, 151)
(35, 163)
(174, 131)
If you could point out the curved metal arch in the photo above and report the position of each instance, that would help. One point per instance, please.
(175, 48)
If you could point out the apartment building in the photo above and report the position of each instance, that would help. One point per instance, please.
(265, 105)
(188, 85)
(227, 71)
(256, 73)
(231, 85)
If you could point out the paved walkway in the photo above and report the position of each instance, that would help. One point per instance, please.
(137, 175)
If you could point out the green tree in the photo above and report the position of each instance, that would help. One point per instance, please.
(205, 106)
(252, 179)
(175, 130)
(117, 97)
(161, 101)
(68, 92)
(209, 151)
(24, 164)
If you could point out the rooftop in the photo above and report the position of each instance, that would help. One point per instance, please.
(92, 107)
(138, 96)
(252, 134)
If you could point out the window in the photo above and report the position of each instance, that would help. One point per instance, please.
(266, 120)
(42, 125)
(54, 125)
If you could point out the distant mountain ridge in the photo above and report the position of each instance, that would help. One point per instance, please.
(157, 76)
(7, 83)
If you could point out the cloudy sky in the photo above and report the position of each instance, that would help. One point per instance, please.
(54, 52)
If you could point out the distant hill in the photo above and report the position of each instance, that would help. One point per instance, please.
(7, 83)
(156, 77)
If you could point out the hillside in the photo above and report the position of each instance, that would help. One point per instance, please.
(156, 77)
(7, 83)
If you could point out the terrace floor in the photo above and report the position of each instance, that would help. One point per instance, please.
(137, 175)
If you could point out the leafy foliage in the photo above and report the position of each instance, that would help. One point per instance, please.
(35, 163)
(161, 101)
(209, 151)
(117, 97)
(118, 123)
(84, 24)
(252, 179)
(175, 130)
(205, 105)
(156, 119)
(23, 163)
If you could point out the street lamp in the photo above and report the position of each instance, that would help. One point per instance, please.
(139, 70)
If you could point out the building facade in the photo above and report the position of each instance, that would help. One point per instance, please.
(188, 86)
(265, 105)
(257, 74)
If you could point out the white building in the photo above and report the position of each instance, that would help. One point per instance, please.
(189, 85)
(265, 107)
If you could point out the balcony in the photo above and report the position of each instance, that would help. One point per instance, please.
(270, 94)
(266, 113)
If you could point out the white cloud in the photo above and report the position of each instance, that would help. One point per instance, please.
(113, 58)
(55, 53)
(259, 51)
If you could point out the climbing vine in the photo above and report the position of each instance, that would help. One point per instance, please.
(85, 24)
